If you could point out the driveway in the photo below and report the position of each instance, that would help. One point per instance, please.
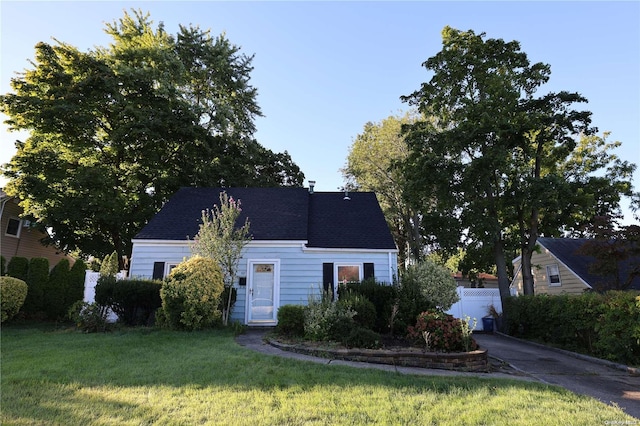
(610, 383)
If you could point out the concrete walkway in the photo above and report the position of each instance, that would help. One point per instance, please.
(512, 359)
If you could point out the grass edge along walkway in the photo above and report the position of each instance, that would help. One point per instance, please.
(150, 376)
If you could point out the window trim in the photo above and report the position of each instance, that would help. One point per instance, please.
(336, 277)
(168, 266)
(343, 264)
(19, 228)
(549, 275)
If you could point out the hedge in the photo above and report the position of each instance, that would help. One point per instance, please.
(37, 279)
(56, 289)
(603, 325)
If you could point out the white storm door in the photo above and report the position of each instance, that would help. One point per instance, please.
(263, 291)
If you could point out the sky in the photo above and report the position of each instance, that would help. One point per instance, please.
(325, 69)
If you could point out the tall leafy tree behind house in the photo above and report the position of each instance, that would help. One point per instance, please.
(615, 251)
(372, 166)
(499, 165)
(114, 131)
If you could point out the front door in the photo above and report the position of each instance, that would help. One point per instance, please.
(263, 292)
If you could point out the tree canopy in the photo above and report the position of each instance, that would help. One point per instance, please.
(113, 132)
(498, 166)
(372, 165)
(615, 252)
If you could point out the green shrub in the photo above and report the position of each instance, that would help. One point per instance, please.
(191, 295)
(104, 289)
(3, 266)
(13, 293)
(326, 320)
(134, 300)
(616, 328)
(424, 286)
(75, 289)
(441, 332)
(18, 267)
(365, 310)
(341, 326)
(529, 316)
(55, 290)
(37, 279)
(602, 325)
(89, 317)
(110, 265)
(360, 337)
(583, 311)
(382, 296)
(291, 320)
(434, 283)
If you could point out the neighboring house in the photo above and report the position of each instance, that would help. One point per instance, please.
(482, 280)
(559, 269)
(302, 242)
(18, 238)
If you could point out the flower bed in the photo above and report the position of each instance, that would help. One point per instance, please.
(476, 360)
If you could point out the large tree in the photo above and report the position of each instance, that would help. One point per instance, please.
(114, 131)
(372, 165)
(615, 251)
(498, 166)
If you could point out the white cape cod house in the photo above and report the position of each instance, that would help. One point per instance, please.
(302, 242)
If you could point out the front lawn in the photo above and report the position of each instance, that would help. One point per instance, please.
(148, 376)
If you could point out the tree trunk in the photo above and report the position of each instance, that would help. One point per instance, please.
(527, 276)
(416, 237)
(225, 314)
(501, 266)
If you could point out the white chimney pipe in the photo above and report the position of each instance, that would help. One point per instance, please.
(312, 183)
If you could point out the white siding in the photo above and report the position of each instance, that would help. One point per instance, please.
(300, 268)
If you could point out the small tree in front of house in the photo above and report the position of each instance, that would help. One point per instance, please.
(220, 239)
(109, 266)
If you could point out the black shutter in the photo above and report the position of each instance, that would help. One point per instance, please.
(327, 277)
(368, 271)
(158, 270)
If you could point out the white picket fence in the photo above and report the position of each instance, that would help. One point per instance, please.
(474, 303)
(90, 281)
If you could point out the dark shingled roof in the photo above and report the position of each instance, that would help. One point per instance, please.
(565, 250)
(358, 222)
(274, 213)
(324, 219)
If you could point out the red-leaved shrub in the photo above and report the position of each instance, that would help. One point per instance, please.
(441, 332)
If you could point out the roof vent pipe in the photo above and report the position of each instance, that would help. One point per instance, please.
(346, 195)
(312, 183)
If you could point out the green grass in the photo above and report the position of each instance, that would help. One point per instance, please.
(137, 377)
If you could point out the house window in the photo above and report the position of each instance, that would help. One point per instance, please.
(342, 273)
(162, 269)
(553, 275)
(348, 273)
(168, 268)
(13, 227)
